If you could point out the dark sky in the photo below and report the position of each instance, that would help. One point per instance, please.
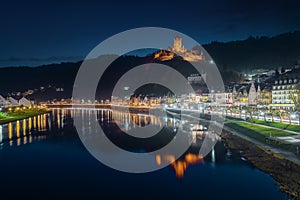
(46, 31)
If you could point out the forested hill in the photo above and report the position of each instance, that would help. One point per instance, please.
(257, 52)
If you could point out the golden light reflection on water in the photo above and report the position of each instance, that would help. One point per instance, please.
(24, 127)
(39, 122)
(29, 124)
(34, 122)
(19, 132)
(131, 120)
(58, 119)
(180, 166)
(10, 134)
(18, 129)
(28, 130)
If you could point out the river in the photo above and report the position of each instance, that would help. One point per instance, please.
(43, 157)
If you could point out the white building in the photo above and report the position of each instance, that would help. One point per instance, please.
(12, 102)
(196, 78)
(281, 93)
(24, 102)
(2, 101)
(222, 99)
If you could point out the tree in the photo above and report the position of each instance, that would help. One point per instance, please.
(282, 70)
(279, 113)
(264, 113)
(272, 113)
(289, 115)
(250, 111)
(294, 96)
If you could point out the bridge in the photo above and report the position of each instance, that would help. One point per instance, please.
(132, 109)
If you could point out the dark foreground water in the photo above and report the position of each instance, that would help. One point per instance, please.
(43, 157)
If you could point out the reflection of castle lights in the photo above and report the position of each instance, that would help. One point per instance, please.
(181, 165)
(164, 159)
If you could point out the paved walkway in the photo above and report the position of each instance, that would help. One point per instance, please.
(287, 154)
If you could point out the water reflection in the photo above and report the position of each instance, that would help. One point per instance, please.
(195, 134)
(20, 132)
(39, 127)
(180, 165)
(98, 179)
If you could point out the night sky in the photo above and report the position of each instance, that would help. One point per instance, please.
(49, 31)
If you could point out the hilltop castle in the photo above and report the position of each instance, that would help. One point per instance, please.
(180, 50)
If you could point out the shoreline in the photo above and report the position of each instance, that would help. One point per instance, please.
(285, 172)
(16, 118)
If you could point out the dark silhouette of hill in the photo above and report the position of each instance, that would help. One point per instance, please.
(45, 82)
(22, 79)
(257, 52)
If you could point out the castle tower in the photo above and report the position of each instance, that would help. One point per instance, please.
(177, 43)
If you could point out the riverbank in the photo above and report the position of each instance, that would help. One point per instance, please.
(285, 172)
(18, 114)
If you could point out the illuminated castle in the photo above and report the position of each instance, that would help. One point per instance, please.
(178, 49)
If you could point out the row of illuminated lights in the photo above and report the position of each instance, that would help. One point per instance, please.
(202, 108)
(17, 108)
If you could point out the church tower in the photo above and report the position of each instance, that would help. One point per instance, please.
(252, 96)
(258, 94)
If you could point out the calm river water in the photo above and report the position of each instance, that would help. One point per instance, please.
(43, 157)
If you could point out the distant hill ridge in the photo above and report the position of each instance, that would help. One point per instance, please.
(257, 52)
